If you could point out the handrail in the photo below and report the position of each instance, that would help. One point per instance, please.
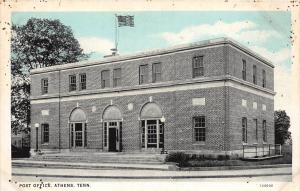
(267, 149)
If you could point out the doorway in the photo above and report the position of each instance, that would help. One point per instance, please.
(112, 134)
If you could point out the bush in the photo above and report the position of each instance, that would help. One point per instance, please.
(179, 157)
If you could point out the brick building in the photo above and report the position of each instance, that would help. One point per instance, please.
(212, 96)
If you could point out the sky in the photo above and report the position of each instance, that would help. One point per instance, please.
(265, 32)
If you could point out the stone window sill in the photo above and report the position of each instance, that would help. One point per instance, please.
(199, 143)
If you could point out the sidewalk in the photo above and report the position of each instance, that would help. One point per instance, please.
(91, 170)
(146, 174)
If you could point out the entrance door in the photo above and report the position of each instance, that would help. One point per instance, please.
(112, 134)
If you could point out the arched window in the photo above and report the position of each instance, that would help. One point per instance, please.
(152, 126)
(78, 135)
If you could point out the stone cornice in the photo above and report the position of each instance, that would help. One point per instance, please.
(158, 52)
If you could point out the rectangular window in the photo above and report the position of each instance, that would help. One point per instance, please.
(82, 81)
(199, 128)
(72, 83)
(244, 71)
(105, 79)
(256, 130)
(117, 75)
(44, 86)
(45, 133)
(264, 78)
(143, 74)
(254, 74)
(264, 131)
(156, 72)
(198, 68)
(244, 130)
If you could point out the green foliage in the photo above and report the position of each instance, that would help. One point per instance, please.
(179, 157)
(282, 125)
(39, 43)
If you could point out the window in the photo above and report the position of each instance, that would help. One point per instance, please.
(199, 128)
(244, 130)
(44, 86)
(117, 75)
(105, 79)
(264, 78)
(105, 134)
(254, 74)
(198, 69)
(156, 72)
(82, 81)
(143, 74)
(45, 133)
(244, 70)
(256, 130)
(264, 131)
(143, 133)
(72, 83)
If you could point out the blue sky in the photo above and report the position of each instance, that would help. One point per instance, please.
(162, 29)
(265, 32)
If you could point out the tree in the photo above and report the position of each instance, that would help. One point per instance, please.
(39, 43)
(282, 125)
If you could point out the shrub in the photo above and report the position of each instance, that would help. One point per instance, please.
(179, 157)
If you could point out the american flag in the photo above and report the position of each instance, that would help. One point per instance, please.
(126, 20)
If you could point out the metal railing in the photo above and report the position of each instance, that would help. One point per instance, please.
(261, 150)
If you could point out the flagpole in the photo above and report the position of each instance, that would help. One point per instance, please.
(116, 35)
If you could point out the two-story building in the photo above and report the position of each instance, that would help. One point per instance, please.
(212, 96)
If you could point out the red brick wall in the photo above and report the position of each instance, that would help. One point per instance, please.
(237, 111)
(177, 109)
(174, 67)
(223, 109)
(235, 66)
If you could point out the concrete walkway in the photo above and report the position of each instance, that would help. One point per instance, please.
(146, 174)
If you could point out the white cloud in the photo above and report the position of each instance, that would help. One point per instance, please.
(96, 44)
(277, 57)
(243, 31)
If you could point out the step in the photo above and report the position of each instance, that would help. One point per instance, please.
(78, 165)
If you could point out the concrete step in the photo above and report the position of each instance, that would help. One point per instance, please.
(103, 158)
(83, 165)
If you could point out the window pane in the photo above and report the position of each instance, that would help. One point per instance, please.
(198, 69)
(143, 74)
(199, 128)
(117, 77)
(72, 83)
(156, 72)
(44, 83)
(105, 79)
(45, 133)
(244, 130)
(244, 71)
(82, 85)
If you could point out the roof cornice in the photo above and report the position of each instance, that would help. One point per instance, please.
(157, 52)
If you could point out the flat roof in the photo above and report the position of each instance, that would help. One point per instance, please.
(156, 52)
